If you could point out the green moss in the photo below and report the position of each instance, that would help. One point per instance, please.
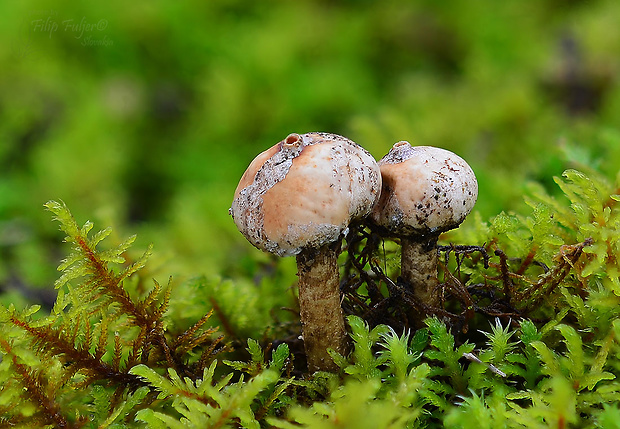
(151, 134)
(114, 350)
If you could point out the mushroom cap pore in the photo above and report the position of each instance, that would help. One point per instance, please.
(303, 196)
(426, 190)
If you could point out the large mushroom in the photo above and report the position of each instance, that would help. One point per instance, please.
(426, 191)
(298, 198)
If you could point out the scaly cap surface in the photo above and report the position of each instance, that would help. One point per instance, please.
(304, 192)
(426, 190)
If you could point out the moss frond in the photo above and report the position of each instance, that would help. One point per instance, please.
(98, 330)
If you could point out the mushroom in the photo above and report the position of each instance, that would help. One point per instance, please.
(298, 198)
(426, 191)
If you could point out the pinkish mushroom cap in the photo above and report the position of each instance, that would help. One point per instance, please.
(426, 190)
(304, 192)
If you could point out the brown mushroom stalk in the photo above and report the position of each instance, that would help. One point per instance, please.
(426, 191)
(418, 267)
(298, 198)
(319, 304)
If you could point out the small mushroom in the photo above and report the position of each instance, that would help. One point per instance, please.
(298, 198)
(426, 191)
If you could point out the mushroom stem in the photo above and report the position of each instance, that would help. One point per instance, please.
(419, 268)
(319, 302)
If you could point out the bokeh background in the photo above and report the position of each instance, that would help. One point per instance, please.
(143, 116)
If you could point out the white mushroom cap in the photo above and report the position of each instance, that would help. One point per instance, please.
(304, 192)
(426, 190)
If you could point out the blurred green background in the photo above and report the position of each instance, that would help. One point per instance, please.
(144, 116)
